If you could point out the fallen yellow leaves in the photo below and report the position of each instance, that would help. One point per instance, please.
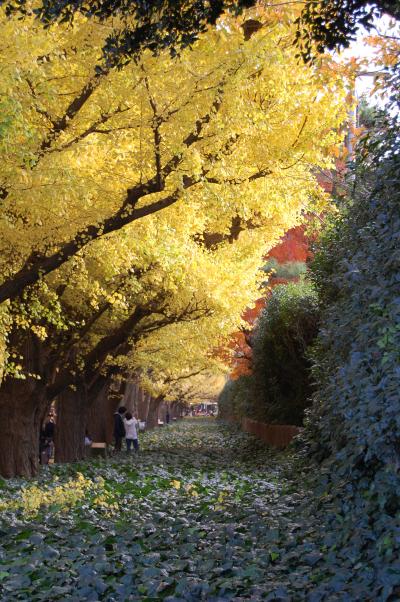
(189, 488)
(62, 497)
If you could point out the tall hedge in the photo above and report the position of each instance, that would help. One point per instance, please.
(279, 388)
(281, 367)
(237, 399)
(353, 428)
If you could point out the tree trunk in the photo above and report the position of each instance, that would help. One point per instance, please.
(152, 414)
(23, 406)
(94, 417)
(143, 405)
(129, 399)
(103, 402)
(162, 412)
(174, 409)
(70, 428)
(179, 409)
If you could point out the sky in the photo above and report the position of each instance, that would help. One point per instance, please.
(360, 49)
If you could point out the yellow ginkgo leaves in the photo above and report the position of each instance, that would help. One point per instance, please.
(222, 142)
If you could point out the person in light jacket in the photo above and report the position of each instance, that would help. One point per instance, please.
(131, 432)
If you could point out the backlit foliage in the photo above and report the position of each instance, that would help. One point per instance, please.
(163, 156)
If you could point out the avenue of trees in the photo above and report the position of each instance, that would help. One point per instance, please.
(136, 204)
(146, 170)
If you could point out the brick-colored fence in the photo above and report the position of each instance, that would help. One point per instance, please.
(276, 435)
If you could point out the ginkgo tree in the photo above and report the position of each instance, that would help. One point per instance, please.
(172, 363)
(85, 325)
(164, 323)
(87, 152)
(127, 194)
(137, 25)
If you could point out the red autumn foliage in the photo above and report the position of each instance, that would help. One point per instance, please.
(294, 246)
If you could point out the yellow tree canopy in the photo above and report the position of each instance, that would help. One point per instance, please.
(160, 165)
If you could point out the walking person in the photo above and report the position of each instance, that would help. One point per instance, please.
(119, 427)
(131, 432)
(46, 443)
(88, 439)
(88, 443)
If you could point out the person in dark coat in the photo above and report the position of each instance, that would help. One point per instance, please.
(46, 442)
(119, 427)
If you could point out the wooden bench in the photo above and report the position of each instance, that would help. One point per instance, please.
(98, 448)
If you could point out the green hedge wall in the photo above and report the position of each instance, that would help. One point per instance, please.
(279, 388)
(353, 429)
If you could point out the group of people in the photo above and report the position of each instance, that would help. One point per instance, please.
(126, 426)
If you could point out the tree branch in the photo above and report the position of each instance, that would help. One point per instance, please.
(38, 109)
(99, 352)
(41, 265)
(92, 129)
(61, 124)
(156, 127)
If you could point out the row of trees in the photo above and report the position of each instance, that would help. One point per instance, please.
(136, 204)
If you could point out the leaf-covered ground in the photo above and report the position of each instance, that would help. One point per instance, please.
(203, 512)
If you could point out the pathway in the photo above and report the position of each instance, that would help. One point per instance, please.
(199, 514)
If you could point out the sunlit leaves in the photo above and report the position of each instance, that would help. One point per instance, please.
(232, 129)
